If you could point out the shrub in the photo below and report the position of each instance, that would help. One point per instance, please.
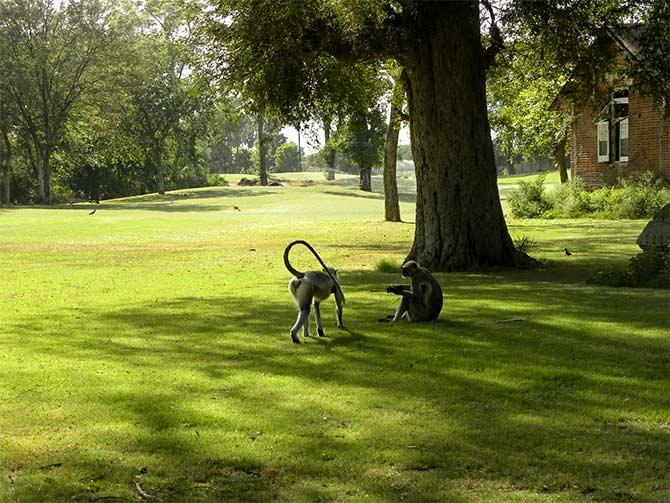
(387, 265)
(524, 244)
(568, 200)
(649, 269)
(529, 200)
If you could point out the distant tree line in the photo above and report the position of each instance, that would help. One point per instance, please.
(103, 98)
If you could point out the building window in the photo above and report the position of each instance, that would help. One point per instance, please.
(623, 140)
(603, 141)
(612, 124)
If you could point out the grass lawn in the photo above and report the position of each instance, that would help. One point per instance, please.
(145, 349)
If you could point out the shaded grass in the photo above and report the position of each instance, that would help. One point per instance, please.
(137, 338)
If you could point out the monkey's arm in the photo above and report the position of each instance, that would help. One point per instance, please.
(398, 289)
(404, 291)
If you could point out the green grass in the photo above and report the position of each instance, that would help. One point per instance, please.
(154, 334)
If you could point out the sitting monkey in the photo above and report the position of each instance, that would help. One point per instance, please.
(422, 301)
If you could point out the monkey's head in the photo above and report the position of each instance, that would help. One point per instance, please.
(333, 272)
(409, 268)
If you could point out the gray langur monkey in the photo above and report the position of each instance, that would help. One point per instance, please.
(312, 287)
(422, 301)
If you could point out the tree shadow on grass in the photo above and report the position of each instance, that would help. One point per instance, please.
(402, 197)
(177, 201)
(544, 405)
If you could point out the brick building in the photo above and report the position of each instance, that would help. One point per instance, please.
(621, 130)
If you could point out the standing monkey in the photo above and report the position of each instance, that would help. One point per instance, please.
(312, 286)
(422, 301)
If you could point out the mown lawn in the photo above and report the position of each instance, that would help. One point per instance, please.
(145, 349)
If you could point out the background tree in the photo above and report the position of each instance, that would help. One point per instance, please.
(7, 133)
(520, 94)
(48, 53)
(391, 204)
(459, 224)
(286, 157)
(361, 139)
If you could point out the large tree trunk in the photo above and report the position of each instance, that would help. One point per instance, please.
(559, 159)
(262, 163)
(391, 204)
(459, 218)
(330, 151)
(365, 182)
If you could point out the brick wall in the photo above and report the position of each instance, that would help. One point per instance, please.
(643, 143)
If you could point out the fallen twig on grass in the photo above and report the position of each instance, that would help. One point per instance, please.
(511, 320)
(145, 494)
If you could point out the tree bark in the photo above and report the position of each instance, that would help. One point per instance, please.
(365, 182)
(330, 151)
(559, 159)
(160, 169)
(459, 218)
(262, 165)
(391, 204)
(46, 175)
(6, 168)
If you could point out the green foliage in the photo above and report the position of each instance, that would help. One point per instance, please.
(286, 158)
(387, 265)
(649, 269)
(525, 244)
(568, 200)
(520, 92)
(404, 152)
(529, 200)
(636, 198)
(361, 137)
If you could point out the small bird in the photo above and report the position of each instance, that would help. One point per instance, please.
(567, 252)
(92, 212)
(237, 208)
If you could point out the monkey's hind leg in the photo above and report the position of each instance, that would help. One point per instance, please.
(317, 319)
(302, 320)
(401, 312)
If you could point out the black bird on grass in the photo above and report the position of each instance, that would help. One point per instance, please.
(92, 212)
(567, 252)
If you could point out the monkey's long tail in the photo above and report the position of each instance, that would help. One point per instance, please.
(299, 274)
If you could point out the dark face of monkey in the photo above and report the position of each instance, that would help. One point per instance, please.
(408, 268)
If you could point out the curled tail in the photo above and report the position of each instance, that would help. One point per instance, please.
(299, 274)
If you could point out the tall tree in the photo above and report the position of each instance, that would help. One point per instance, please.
(328, 152)
(459, 217)
(459, 220)
(520, 94)
(49, 51)
(391, 204)
(361, 139)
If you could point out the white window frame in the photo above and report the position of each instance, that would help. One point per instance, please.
(623, 124)
(603, 127)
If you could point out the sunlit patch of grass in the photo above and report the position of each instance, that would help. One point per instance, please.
(149, 344)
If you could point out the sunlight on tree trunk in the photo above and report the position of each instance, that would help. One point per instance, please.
(559, 159)
(330, 151)
(262, 148)
(391, 205)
